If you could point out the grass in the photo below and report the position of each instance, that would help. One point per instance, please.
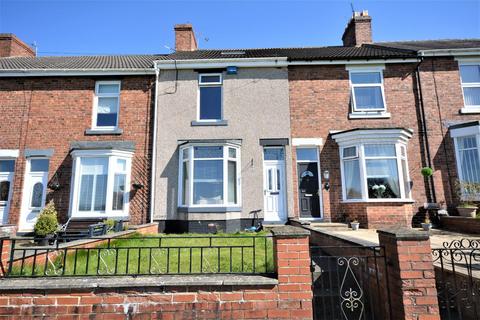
(162, 254)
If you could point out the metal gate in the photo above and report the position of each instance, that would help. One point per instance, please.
(457, 277)
(349, 283)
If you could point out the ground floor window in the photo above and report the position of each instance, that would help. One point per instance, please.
(374, 165)
(101, 183)
(209, 175)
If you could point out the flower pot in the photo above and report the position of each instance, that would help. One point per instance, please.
(469, 212)
(426, 226)
(355, 225)
(44, 241)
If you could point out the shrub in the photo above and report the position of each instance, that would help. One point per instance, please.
(47, 221)
(427, 172)
(110, 223)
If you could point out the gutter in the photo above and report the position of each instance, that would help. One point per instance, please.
(449, 52)
(154, 147)
(221, 63)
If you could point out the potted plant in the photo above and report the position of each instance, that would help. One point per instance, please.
(427, 172)
(355, 224)
(379, 190)
(47, 224)
(426, 225)
(468, 193)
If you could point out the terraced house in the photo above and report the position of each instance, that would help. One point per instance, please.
(203, 140)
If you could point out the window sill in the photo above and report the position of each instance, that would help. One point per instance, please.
(209, 209)
(380, 201)
(470, 110)
(369, 115)
(209, 123)
(91, 132)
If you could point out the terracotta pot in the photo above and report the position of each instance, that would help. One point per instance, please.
(470, 212)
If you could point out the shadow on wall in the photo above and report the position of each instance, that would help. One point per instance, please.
(444, 161)
(61, 196)
(170, 173)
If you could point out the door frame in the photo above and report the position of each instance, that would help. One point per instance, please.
(26, 193)
(320, 186)
(9, 176)
(283, 184)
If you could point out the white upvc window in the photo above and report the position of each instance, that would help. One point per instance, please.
(106, 105)
(374, 168)
(467, 151)
(470, 79)
(367, 92)
(209, 175)
(210, 97)
(101, 183)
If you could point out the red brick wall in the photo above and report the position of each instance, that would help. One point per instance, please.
(320, 102)
(11, 46)
(461, 224)
(291, 298)
(44, 113)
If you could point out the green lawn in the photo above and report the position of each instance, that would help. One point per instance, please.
(164, 254)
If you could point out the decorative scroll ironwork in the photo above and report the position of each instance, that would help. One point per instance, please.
(350, 286)
(457, 276)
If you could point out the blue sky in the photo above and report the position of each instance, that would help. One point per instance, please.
(124, 27)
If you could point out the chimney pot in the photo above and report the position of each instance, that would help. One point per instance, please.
(185, 38)
(358, 30)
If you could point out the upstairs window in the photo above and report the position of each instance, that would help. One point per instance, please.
(210, 97)
(367, 91)
(470, 77)
(106, 105)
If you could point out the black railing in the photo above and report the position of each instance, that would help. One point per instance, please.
(457, 277)
(350, 282)
(146, 255)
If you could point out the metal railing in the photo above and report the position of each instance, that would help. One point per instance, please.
(145, 255)
(457, 277)
(350, 282)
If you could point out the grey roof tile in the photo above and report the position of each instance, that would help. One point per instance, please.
(417, 45)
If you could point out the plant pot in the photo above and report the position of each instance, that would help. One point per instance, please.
(426, 226)
(355, 225)
(469, 212)
(44, 241)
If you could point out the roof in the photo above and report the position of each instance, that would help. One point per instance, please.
(418, 45)
(296, 54)
(129, 62)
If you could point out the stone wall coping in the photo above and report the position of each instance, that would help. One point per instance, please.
(403, 233)
(290, 232)
(7, 284)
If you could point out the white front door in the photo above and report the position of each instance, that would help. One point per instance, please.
(274, 185)
(6, 187)
(34, 192)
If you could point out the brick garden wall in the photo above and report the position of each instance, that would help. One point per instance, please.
(241, 298)
(47, 112)
(461, 224)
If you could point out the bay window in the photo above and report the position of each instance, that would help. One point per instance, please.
(374, 167)
(209, 175)
(467, 148)
(100, 183)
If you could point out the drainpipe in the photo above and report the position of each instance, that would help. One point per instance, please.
(154, 146)
(431, 184)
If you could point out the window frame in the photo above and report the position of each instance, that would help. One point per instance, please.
(98, 95)
(112, 156)
(209, 84)
(457, 152)
(361, 111)
(190, 162)
(467, 108)
(405, 195)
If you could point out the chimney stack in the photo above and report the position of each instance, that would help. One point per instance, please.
(358, 30)
(11, 46)
(185, 38)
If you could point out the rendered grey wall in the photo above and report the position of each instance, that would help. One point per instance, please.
(256, 106)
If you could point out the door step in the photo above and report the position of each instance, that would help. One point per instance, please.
(329, 225)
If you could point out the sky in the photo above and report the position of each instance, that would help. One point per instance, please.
(64, 27)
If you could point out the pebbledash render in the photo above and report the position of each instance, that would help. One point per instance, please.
(207, 140)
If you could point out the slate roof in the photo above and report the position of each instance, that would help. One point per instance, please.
(295, 54)
(432, 44)
(129, 62)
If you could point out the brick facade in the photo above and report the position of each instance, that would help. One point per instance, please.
(50, 113)
(320, 103)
